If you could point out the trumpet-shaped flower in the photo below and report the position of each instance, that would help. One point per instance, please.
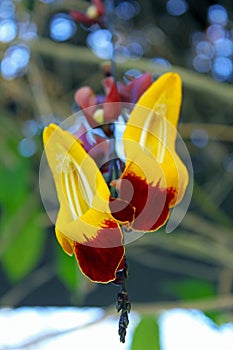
(85, 226)
(153, 181)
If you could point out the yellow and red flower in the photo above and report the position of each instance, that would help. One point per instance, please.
(153, 181)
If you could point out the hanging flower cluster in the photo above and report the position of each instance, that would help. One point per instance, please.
(153, 178)
(115, 169)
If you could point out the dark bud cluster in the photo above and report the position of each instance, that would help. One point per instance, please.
(123, 303)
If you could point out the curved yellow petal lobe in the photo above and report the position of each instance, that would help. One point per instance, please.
(66, 243)
(84, 224)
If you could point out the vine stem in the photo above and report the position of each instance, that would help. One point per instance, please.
(82, 55)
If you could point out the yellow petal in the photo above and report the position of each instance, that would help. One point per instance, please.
(84, 224)
(153, 125)
(77, 178)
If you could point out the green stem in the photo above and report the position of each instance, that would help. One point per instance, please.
(193, 81)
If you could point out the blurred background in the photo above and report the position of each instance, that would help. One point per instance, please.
(45, 56)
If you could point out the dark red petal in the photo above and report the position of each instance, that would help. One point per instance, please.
(139, 86)
(100, 258)
(112, 105)
(111, 91)
(132, 91)
(121, 210)
(152, 203)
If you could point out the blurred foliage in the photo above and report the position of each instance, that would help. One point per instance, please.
(22, 233)
(189, 289)
(146, 334)
(194, 262)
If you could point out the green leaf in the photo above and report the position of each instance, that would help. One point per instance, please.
(14, 185)
(146, 335)
(218, 317)
(192, 289)
(67, 269)
(70, 275)
(24, 250)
